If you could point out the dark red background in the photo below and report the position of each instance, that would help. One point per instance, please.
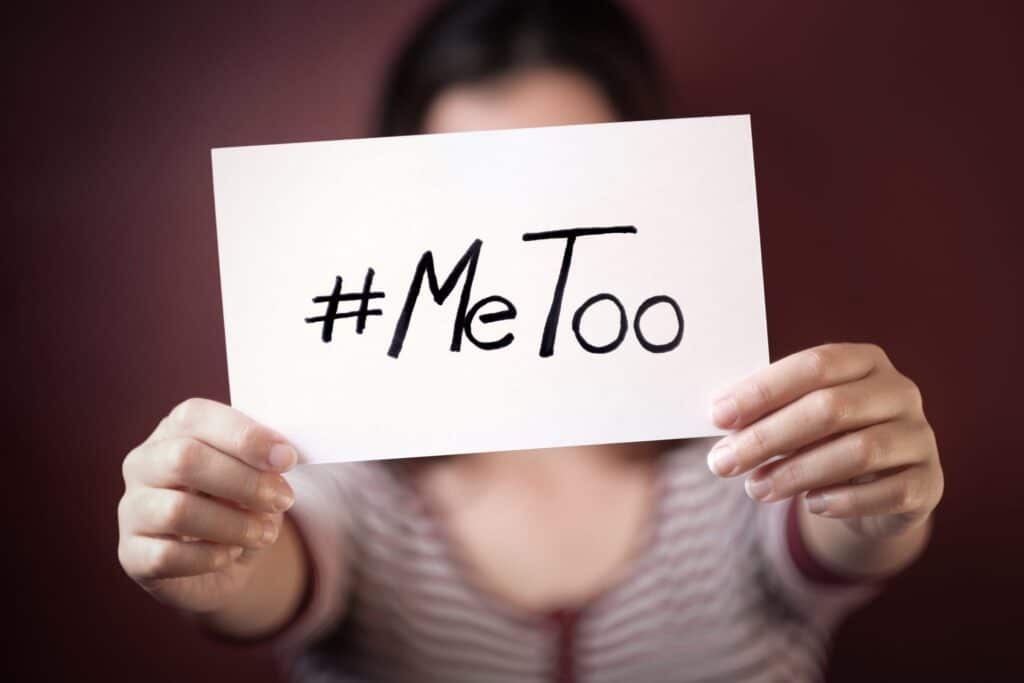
(888, 159)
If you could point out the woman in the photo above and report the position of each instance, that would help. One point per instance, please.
(634, 562)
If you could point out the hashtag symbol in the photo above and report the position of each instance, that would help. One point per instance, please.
(334, 298)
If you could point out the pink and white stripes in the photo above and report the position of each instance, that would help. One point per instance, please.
(722, 592)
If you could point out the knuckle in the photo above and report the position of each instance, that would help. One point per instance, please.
(940, 486)
(758, 439)
(819, 363)
(164, 427)
(875, 352)
(791, 475)
(131, 509)
(123, 556)
(247, 529)
(186, 413)
(907, 496)
(158, 558)
(124, 509)
(184, 459)
(913, 393)
(246, 438)
(931, 440)
(257, 485)
(129, 465)
(172, 510)
(831, 408)
(866, 452)
(761, 393)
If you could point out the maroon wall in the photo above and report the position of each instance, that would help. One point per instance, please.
(888, 157)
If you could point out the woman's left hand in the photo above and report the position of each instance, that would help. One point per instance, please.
(852, 433)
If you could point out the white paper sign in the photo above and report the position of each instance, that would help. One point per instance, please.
(620, 331)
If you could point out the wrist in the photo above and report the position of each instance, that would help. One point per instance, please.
(842, 545)
(273, 591)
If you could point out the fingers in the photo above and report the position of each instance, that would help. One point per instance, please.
(166, 512)
(180, 462)
(912, 491)
(792, 377)
(160, 558)
(836, 461)
(229, 431)
(815, 416)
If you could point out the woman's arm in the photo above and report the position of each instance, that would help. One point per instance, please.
(850, 553)
(202, 519)
(854, 441)
(271, 596)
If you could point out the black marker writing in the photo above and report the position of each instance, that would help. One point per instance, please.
(508, 314)
(334, 298)
(670, 344)
(578, 318)
(547, 340)
(501, 309)
(440, 293)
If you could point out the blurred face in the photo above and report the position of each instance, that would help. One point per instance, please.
(539, 96)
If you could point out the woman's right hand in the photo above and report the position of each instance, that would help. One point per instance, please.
(203, 501)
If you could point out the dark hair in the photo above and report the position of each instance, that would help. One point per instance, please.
(467, 41)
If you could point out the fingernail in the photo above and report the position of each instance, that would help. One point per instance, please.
(235, 552)
(282, 500)
(725, 412)
(269, 533)
(282, 456)
(722, 459)
(759, 489)
(275, 494)
(816, 503)
(254, 532)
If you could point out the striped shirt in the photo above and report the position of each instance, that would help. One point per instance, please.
(724, 591)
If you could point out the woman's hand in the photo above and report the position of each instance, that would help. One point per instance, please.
(852, 433)
(204, 497)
